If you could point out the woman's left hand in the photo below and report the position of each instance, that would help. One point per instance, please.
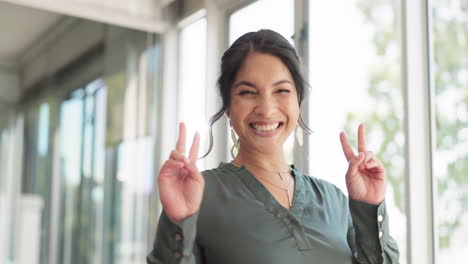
(365, 177)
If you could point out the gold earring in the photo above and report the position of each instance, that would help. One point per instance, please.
(300, 135)
(234, 139)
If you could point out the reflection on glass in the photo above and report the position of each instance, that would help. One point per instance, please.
(96, 193)
(82, 161)
(8, 151)
(192, 76)
(133, 188)
(128, 210)
(36, 181)
(450, 46)
(355, 77)
(246, 20)
(70, 163)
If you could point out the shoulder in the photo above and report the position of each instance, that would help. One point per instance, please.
(322, 186)
(224, 174)
(216, 172)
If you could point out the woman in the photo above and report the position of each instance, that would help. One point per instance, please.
(258, 209)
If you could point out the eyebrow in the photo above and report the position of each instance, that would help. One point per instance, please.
(253, 86)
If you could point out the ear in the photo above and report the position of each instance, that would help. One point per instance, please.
(228, 112)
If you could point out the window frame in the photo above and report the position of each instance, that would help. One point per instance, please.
(419, 131)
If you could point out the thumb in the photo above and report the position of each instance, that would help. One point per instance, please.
(193, 171)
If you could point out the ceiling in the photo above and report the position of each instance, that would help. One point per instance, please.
(20, 28)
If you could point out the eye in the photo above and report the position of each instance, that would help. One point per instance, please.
(246, 92)
(283, 91)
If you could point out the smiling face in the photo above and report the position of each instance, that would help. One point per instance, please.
(264, 107)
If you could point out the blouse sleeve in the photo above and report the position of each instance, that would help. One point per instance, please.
(368, 234)
(175, 242)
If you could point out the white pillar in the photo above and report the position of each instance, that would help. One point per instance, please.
(28, 229)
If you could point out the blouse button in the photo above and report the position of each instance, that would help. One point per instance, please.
(380, 218)
(380, 234)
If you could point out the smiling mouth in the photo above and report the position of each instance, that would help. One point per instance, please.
(266, 127)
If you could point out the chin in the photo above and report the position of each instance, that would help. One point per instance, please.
(269, 147)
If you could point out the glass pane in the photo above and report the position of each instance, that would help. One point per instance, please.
(36, 182)
(450, 47)
(83, 175)
(246, 20)
(97, 188)
(355, 75)
(91, 200)
(128, 208)
(192, 76)
(70, 162)
(4, 201)
(133, 187)
(8, 153)
(280, 18)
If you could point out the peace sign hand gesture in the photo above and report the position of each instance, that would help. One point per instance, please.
(181, 185)
(365, 178)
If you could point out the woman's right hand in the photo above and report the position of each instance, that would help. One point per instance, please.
(181, 185)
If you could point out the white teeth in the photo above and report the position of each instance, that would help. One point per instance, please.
(264, 128)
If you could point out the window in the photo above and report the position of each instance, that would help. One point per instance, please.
(107, 143)
(10, 136)
(355, 76)
(192, 82)
(450, 76)
(70, 158)
(36, 183)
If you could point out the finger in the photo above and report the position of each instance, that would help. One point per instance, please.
(368, 155)
(374, 165)
(172, 164)
(361, 138)
(347, 149)
(180, 146)
(194, 149)
(354, 164)
(176, 155)
(193, 171)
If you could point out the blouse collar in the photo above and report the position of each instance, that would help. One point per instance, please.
(262, 194)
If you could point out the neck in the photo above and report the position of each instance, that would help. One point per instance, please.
(273, 161)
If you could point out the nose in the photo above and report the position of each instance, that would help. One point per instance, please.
(266, 106)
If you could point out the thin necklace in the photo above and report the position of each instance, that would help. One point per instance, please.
(277, 172)
(280, 173)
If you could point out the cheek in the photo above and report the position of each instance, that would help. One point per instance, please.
(238, 110)
(293, 111)
(240, 107)
(295, 116)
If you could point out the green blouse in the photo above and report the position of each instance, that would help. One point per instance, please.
(240, 222)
